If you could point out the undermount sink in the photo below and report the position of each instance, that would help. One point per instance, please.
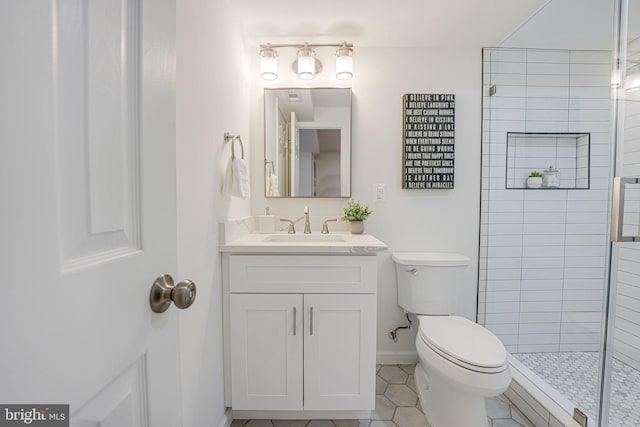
(304, 238)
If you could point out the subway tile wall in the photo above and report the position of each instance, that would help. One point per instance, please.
(542, 255)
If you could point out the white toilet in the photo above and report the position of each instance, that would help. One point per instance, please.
(461, 362)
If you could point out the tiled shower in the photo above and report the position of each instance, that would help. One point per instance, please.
(544, 252)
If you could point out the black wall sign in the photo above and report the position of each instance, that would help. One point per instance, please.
(429, 141)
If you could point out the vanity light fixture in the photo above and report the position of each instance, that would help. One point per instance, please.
(344, 62)
(306, 66)
(306, 63)
(268, 63)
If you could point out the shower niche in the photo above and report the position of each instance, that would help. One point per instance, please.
(561, 158)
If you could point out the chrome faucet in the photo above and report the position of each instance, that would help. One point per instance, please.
(292, 223)
(325, 227)
(292, 228)
(307, 224)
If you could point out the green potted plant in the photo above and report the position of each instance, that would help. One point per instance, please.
(355, 214)
(534, 180)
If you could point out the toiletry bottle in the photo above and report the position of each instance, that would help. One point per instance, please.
(266, 222)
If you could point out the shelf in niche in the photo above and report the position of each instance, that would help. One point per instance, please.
(547, 188)
(569, 153)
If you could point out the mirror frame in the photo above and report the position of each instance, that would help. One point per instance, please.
(264, 142)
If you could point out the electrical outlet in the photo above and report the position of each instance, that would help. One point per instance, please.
(379, 192)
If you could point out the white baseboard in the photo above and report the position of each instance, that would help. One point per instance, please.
(396, 357)
(226, 419)
(301, 415)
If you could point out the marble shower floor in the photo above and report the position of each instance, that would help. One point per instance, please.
(397, 405)
(575, 375)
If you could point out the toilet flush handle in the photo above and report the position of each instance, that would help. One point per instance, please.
(413, 271)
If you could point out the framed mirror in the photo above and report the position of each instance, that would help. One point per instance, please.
(307, 142)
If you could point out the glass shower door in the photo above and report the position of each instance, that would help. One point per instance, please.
(620, 402)
(544, 248)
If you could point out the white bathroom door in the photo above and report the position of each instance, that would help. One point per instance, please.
(88, 209)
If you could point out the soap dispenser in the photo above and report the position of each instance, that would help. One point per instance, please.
(266, 222)
(550, 178)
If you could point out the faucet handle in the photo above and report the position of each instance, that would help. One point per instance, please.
(325, 228)
(292, 228)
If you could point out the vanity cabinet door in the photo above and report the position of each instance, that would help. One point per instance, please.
(266, 351)
(340, 352)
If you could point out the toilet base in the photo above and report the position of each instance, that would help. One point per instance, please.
(446, 406)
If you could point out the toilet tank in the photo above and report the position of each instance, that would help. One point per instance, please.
(428, 282)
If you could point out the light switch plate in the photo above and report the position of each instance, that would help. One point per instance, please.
(379, 192)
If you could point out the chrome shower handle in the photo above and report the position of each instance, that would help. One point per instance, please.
(617, 209)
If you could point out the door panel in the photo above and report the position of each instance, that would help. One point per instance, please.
(97, 108)
(339, 353)
(88, 171)
(123, 398)
(266, 349)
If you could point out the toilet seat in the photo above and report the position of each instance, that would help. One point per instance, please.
(463, 343)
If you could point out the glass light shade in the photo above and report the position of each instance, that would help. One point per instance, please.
(344, 62)
(632, 82)
(344, 67)
(306, 64)
(268, 64)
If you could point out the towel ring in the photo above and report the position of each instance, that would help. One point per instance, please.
(232, 138)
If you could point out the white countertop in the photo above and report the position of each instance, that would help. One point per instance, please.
(314, 243)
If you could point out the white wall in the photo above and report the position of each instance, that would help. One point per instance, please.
(409, 220)
(212, 98)
(567, 24)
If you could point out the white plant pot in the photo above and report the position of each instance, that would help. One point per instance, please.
(357, 227)
(534, 182)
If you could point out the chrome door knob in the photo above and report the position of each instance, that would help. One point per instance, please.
(163, 292)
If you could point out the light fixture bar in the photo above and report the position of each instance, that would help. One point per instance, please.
(301, 45)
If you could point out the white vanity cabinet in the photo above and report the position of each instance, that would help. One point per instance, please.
(302, 332)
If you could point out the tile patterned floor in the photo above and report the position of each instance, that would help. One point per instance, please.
(397, 405)
(575, 375)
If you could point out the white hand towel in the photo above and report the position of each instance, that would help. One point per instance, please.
(236, 178)
(272, 185)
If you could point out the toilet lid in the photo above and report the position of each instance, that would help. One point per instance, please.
(433, 259)
(464, 343)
